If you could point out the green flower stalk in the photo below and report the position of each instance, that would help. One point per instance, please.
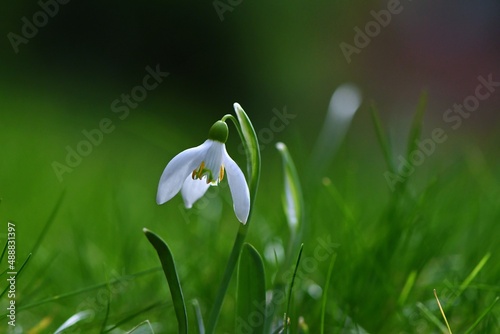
(251, 144)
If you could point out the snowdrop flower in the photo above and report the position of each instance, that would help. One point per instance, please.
(194, 170)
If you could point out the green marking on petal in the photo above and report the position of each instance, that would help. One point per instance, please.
(219, 132)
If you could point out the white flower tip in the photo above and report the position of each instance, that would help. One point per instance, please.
(243, 221)
(161, 197)
(242, 210)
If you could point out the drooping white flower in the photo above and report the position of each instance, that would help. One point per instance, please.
(194, 170)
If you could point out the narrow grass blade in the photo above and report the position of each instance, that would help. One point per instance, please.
(74, 319)
(168, 264)
(290, 291)
(432, 318)
(382, 139)
(135, 314)
(48, 223)
(473, 274)
(142, 328)
(337, 199)
(481, 317)
(3, 251)
(17, 274)
(442, 312)
(199, 318)
(251, 295)
(106, 315)
(293, 203)
(83, 290)
(410, 281)
(324, 298)
(416, 125)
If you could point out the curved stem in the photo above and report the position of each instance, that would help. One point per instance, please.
(231, 264)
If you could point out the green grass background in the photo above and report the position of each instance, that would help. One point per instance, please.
(440, 229)
(393, 249)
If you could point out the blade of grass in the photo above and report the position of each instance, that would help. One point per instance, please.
(17, 274)
(325, 292)
(106, 315)
(481, 317)
(414, 135)
(251, 291)
(48, 223)
(473, 274)
(290, 291)
(83, 290)
(442, 312)
(168, 264)
(199, 318)
(135, 314)
(416, 125)
(142, 328)
(3, 250)
(382, 139)
(432, 318)
(37, 279)
(410, 281)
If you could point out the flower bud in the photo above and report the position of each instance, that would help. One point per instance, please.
(219, 132)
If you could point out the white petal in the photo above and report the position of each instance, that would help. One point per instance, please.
(193, 190)
(178, 169)
(239, 188)
(213, 159)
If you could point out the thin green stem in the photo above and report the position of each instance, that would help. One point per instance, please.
(231, 264)
(253, 177)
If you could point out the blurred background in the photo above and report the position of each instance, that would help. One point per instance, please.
(66, 66)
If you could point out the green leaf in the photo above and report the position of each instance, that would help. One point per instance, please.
(325, 292)
(484, 314)
(290, 291)
(122, 280)
(416, 125)
(48, 223)
(141, 312)
(251, 144)
(251, 294)
(382, 139)
(432, 318)
(405, 292)
(293, 203)
(168, 264)
(17, 275)
(468, 280)
(199, 319)
(142, 328)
